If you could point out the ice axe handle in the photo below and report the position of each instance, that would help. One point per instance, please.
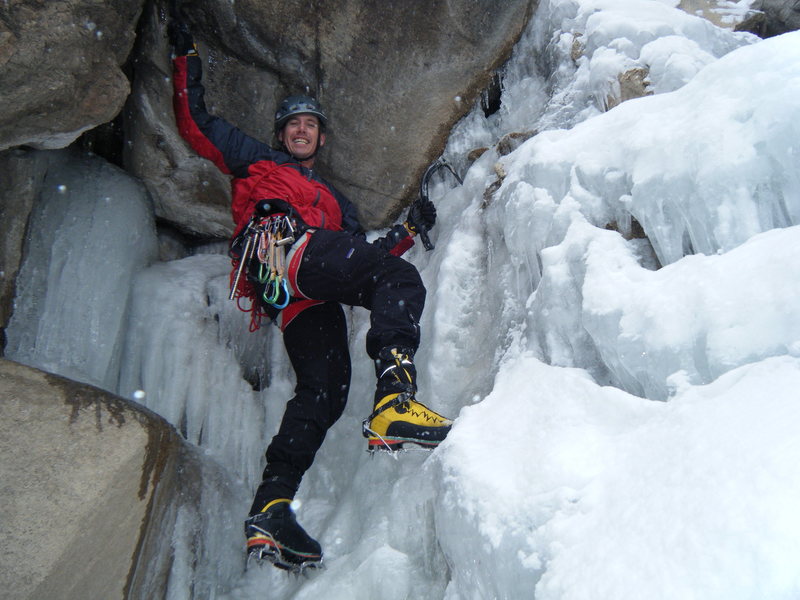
(426, 240)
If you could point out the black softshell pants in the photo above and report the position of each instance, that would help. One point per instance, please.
(338, 268)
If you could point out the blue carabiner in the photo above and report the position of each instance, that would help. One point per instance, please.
(272, 292)
(285, 293)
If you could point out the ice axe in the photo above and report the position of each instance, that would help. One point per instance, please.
(423, 194)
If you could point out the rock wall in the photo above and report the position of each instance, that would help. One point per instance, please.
(93, 488)
(394, 78)
(61, 68)
(772, 17)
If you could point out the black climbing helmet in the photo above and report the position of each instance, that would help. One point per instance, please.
(299, 105)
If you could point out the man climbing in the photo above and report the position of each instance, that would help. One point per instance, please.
(328, 261)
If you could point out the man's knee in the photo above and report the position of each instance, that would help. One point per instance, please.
(403, 272)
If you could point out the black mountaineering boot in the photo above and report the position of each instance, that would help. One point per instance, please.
(275, 535)
(398, 417)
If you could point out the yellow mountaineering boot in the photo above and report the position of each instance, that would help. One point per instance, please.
(398, 417)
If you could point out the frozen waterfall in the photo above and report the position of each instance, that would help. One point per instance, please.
(611, 317)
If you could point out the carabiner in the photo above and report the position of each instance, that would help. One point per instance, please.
(263, 273)
(285, 293)
(273, 297)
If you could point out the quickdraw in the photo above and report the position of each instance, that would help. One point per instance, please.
(265, 240)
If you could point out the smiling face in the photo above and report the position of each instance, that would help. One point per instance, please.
(302, 137)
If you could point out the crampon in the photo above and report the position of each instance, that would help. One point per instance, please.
(274, 536)
(283, 558)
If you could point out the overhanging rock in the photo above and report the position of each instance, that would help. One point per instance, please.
(101, 496)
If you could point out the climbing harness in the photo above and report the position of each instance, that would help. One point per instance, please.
(265, 241)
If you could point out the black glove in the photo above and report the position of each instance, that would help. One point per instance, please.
(180, 37)
(265, 208)
(421, 216)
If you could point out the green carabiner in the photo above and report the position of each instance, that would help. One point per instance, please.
(262, 276)
(273, 297)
